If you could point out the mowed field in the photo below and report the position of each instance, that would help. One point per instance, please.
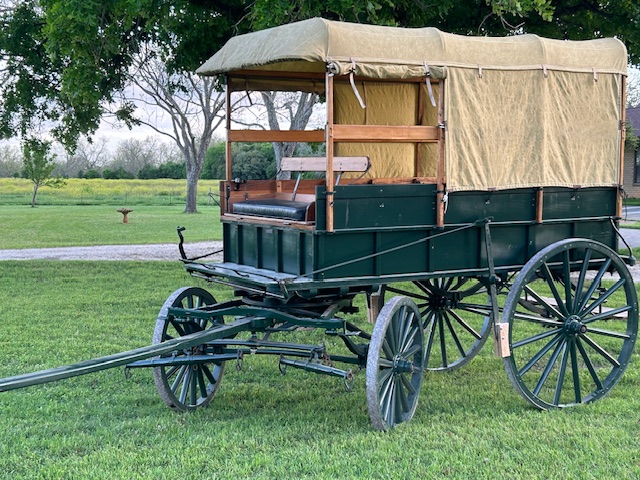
(469, 423)
(84, 213)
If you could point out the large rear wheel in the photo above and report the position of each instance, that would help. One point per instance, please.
(573, 321)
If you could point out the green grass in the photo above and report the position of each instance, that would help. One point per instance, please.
(73, 225)
(469, 423)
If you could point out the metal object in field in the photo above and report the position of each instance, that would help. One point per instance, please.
(456, 218)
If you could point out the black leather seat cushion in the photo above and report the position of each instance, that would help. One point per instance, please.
(273, 208)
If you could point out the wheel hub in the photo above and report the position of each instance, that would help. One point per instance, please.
(574, 325)
(440, 302)
(400, 365)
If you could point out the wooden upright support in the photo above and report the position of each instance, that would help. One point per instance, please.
(329, 147)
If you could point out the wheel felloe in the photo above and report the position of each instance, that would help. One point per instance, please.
(394, 364)
(572, 326)
(190, 385)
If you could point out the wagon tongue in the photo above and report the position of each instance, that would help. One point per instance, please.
(123, 358)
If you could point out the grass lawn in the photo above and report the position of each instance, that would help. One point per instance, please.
(79, 225)
(469, 423)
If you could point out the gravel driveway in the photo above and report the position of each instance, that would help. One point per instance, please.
(116, 252)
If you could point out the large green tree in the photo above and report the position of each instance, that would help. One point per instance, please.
(64, 64)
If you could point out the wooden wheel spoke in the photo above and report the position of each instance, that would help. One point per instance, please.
(443, 344)
(407, 384)
(603, 298)
(384, 379)
(201, 384)
(402, 396)
(193, 388)
(185, 385)
(388, 352)
(545, 322)
(547, 306)
(454, 336)
(177, 327)
(575, 370)
(609, 333)
(465, 325)
(411, 351)
(541, 353)
(566, 269)
(409, 340)
(403, 328)
(406, 293)
(387, 399)
(547, 370)
(594, 285)
(207, 373)
(581, 278)
(429, 341)
(606, 315)
(554, 290)
(534, 338)
(561, 374)
(589, 364)
(179, 378)
(390, 338)
(384, 363)
(601, 351)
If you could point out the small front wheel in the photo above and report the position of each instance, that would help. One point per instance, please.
(395, 364)
(186, 386)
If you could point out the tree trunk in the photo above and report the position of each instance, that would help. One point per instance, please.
(35, 193)
(192, 193)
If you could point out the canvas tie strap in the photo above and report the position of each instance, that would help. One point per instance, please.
(428, 82)
(353, 83)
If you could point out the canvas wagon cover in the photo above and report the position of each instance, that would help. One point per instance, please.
(520, 111)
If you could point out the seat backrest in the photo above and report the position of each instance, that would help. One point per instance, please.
(319, 164)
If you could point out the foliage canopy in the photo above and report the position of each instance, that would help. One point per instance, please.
(65, 61)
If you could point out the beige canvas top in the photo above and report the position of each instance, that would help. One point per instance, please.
(391, 52)
(520, 111)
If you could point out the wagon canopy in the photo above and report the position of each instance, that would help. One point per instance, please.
(520, 111)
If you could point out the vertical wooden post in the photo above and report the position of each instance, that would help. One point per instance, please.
(539, 204)
(623, 136)
(440, 175)
(229, 170)
(418, 160)
(329, 147)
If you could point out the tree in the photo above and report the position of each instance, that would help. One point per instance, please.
(193, 105)
(67, 63)
(38, 165)
(633, 88)
(88, 156)
(10, 161)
